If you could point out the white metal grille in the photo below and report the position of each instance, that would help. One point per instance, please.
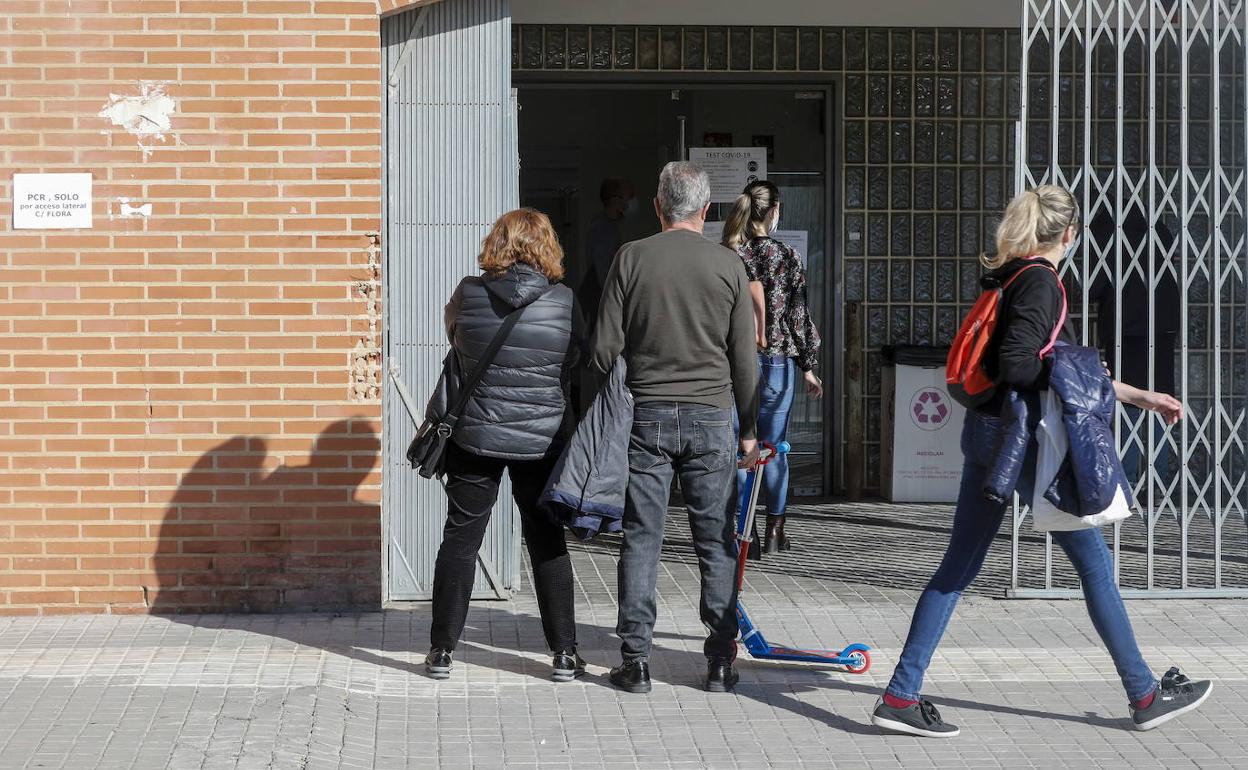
(1139, 107)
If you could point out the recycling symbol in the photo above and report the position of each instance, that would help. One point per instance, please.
(930, 409)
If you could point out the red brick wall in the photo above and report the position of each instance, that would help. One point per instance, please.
(189, 406)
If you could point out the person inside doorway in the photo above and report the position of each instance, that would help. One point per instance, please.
(677, 308)
(1135, 303)
(619, 202)
(517, 421)
(1037, 232)
(788, 342)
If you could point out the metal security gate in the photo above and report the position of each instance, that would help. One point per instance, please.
(1139, 107)
(451, 170)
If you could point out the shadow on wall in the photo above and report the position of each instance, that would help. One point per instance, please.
(239, 537)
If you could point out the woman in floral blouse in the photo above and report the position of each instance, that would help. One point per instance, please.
(788, 341)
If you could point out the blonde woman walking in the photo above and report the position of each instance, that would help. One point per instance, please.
(1039, 229)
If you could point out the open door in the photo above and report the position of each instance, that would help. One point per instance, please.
(451, 170)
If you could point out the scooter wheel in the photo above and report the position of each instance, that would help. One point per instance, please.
(861, 662)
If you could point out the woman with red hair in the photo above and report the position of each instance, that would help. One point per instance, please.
(517, 421)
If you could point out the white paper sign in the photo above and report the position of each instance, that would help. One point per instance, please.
(798, 240)
(51, 201)
(713, 231)
(730, 169)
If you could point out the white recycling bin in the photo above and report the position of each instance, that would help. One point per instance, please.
(921, 427)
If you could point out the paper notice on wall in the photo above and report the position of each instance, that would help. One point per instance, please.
(51, 201)
(730, 169)
(798, 240)
(713, 231)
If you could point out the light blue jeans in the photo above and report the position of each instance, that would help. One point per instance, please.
(778, 381)
(975, 525)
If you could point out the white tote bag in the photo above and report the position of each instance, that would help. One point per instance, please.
(1053, 446)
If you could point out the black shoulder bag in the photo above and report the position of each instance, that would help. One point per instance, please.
(427, 452)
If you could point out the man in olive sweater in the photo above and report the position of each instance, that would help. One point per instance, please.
(677, 307)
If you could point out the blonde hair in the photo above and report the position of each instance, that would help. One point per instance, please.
(524, 236)
(1034, 222)
(749, 214)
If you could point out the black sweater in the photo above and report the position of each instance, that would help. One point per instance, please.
(1025, 322)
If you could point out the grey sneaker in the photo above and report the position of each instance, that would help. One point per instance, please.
(1176, 695)
(438, 664)
(921, 719)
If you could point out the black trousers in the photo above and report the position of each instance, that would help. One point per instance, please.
(472, 483)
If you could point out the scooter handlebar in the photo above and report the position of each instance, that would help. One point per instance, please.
(768, 451)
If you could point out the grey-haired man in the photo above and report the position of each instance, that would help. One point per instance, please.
(677, 307)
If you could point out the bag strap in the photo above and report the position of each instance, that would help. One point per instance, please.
(487, 358)
(1061, 318)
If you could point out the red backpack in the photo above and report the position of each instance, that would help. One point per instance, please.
(968, 381)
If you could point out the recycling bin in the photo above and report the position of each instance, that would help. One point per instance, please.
(920, 426)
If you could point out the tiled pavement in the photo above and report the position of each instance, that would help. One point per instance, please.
(1027, 681)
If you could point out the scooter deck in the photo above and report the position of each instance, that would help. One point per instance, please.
(856, 658)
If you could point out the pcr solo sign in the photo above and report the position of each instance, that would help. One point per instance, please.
(51, 201)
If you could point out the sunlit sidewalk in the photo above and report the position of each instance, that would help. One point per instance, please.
(1028, 682)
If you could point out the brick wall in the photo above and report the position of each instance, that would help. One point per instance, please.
(189, 407)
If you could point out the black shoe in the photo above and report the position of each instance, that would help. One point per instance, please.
(921, 719)
(1174, 696)
(438, 664)
(775, 540)
(720, 675)
(567, 666)
(632, 676)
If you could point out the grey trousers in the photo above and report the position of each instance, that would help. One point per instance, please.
(698, 443)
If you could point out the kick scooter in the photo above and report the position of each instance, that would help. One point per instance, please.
(856, 658)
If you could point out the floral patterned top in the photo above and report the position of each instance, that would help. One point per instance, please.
(791, 331)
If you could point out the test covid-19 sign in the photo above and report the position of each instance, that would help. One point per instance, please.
(51, 201)
(730, 169)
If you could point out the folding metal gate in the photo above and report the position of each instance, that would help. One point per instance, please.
(451, 169)
(1139, 107)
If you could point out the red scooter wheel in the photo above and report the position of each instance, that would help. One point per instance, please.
(861, 662)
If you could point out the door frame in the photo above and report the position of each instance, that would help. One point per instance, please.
(834, 289)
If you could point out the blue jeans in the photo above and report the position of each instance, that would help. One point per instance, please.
(777, 386)
(975, 525)
(698, 443)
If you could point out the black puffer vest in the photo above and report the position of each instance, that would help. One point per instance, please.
(520, 410)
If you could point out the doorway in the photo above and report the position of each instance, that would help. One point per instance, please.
(572, 138)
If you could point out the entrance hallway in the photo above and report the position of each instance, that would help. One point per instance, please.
(1028, 681)
(575, 143)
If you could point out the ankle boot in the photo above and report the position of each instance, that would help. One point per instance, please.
(775, 541)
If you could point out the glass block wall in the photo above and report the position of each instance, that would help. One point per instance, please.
(925, 146)
(928, 166)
